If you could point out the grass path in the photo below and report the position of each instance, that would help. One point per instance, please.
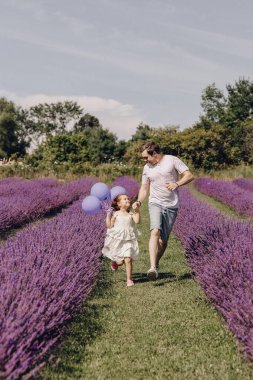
(154, 330)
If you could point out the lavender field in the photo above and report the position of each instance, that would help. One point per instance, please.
(47, 271)
(23, 201)
(220, 252)
(237, 194)
(244, 183)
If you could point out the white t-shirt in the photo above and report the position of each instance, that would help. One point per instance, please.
(167, 170)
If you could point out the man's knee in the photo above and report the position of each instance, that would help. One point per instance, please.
(155, 232)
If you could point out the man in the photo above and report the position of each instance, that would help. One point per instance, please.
(162, 176)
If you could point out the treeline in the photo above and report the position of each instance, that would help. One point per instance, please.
(64, 135)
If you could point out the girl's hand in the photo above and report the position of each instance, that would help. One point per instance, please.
(136, 209)
(136, 205)
(110, 210)
(136, 215)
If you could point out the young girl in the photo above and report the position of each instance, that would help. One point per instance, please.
(121, 244)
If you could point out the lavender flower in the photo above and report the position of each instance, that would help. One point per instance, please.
(220, 252)
(233, 196)
(244, 183)
(46, 271)
(23, 201)
(46, 274)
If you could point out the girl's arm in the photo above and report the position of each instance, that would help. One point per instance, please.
(136, 215)
(110, 219)
(113, 220)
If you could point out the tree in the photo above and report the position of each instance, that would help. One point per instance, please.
(86, 121)
(50, 119)
(214, 106)
(102, 144)
(120, 150)
(7, 106)
(208, 149)
(164, 137)
(142, 132)
(228, 110)
(240, 101)
(8, 139)
(242, 140)
(14, 138)
(132, 154)
(95, 145)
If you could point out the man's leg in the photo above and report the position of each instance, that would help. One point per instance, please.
(168, 220)
(155, 212)
(153, 247)
(162, 245)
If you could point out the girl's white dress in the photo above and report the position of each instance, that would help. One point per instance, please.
(121, 239)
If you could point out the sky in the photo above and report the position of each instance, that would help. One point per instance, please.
(124, 61)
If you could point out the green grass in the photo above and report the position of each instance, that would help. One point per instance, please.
(153, 330)
(229, 173)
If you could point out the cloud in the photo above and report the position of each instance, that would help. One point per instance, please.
(118, 117)
(219, 42)
(162, 64)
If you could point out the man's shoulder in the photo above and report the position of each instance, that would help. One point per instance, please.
(169, 157)
(176, 162)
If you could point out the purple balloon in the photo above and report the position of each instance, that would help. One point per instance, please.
(117, 190)
(91, 204)
(100, 190)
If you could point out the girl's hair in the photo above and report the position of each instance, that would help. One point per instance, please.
(115, 202)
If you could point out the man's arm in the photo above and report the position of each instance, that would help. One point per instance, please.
(186, 177)
(143, 192)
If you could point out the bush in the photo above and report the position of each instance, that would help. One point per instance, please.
(66, 171)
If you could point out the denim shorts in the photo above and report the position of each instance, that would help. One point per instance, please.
(163, 219)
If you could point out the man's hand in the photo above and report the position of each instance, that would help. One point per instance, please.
(136, 205)
(172, 186)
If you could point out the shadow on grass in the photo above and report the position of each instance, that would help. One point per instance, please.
(83, 329)
(185, 276)
(164, 277)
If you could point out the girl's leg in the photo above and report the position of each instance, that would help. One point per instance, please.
(129, 267)
(116, 264)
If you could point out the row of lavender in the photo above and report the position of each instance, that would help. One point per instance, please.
(220, 253)
(23, 201)
(237, 194)
(13, 185)
(244, 183)
(46, 273)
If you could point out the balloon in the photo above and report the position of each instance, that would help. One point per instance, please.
(91, 204)
(100, 190)
(117, 190)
